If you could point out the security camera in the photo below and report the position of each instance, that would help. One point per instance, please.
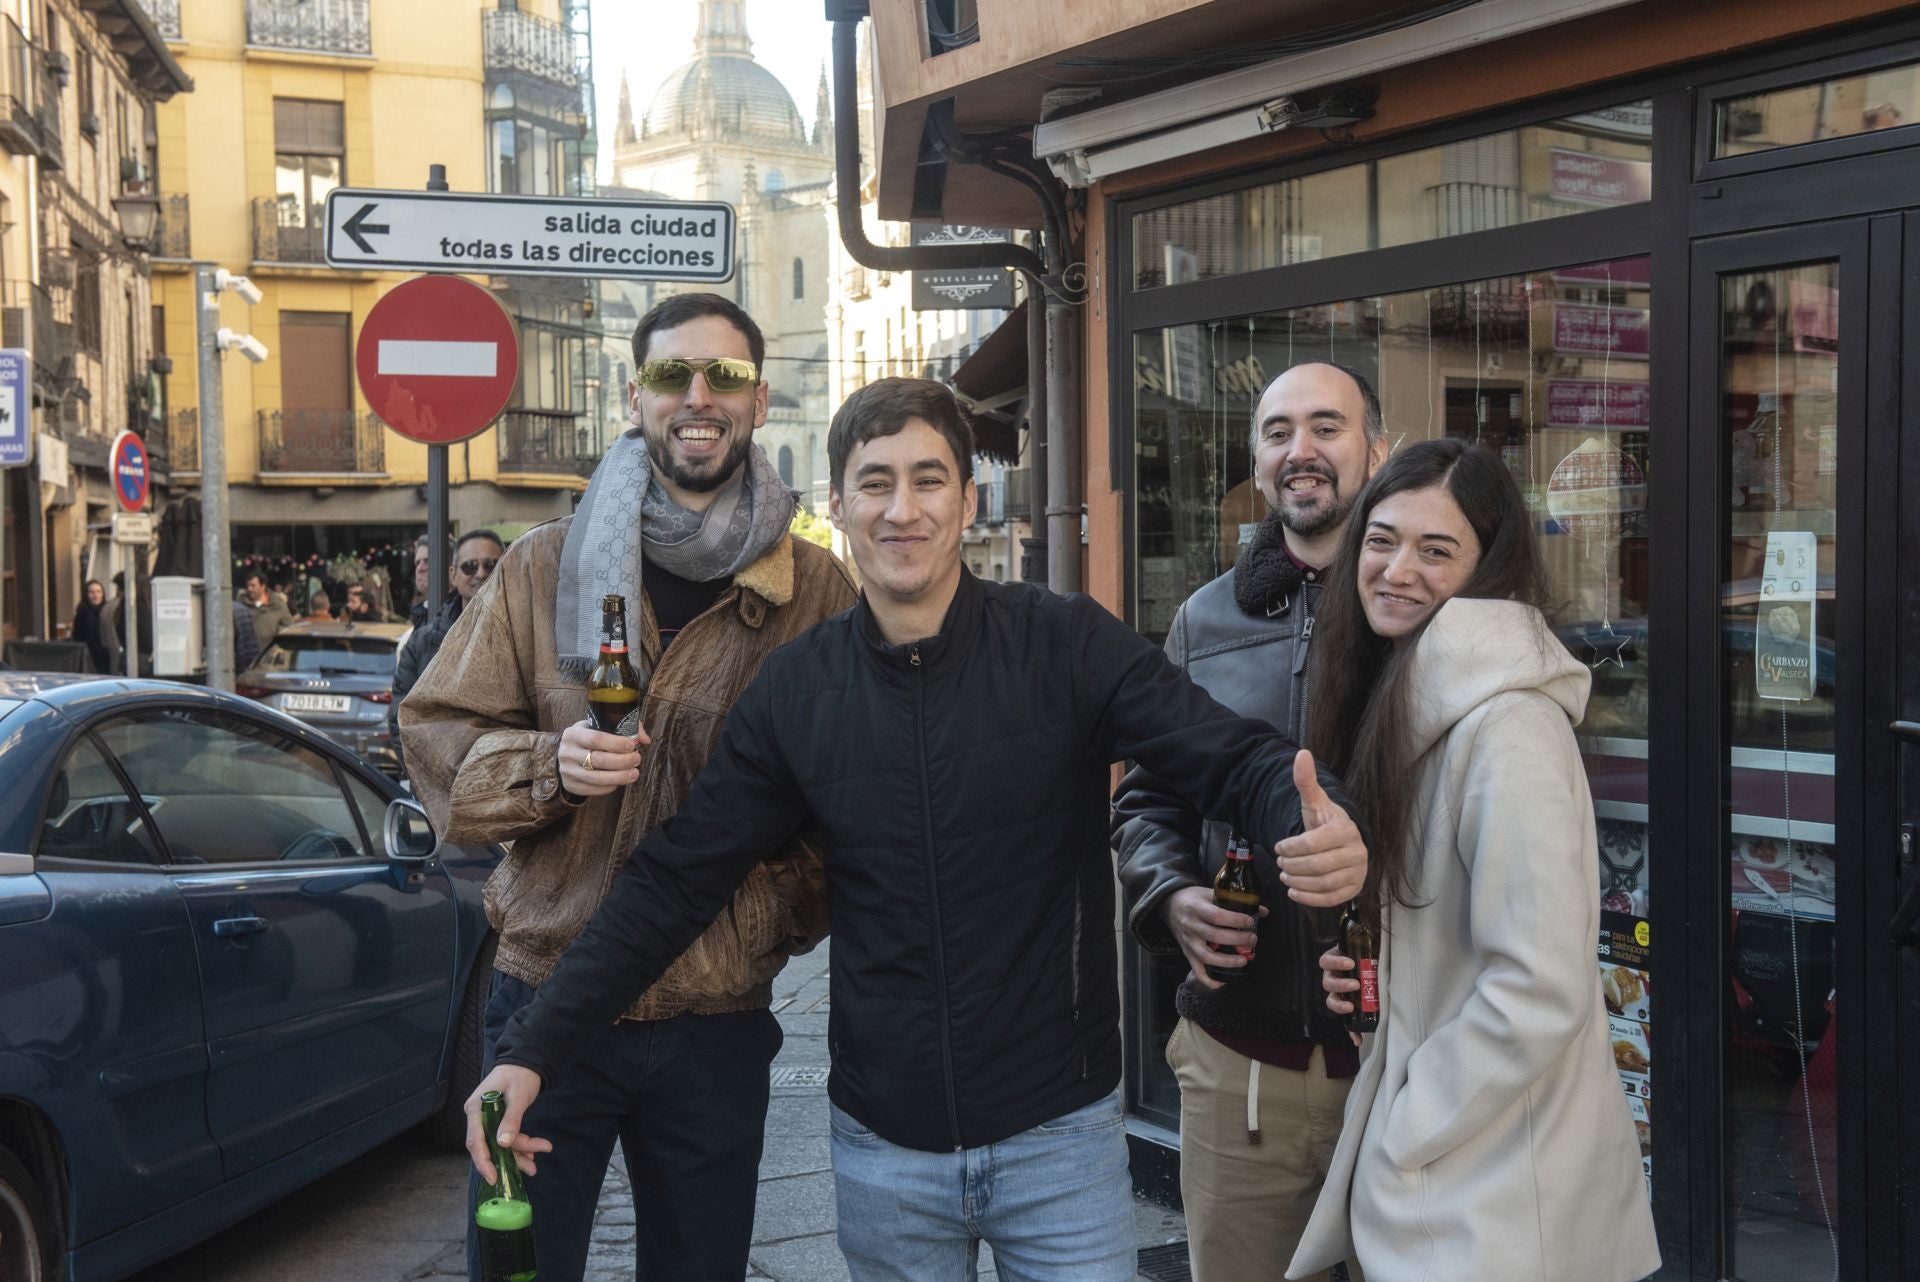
(246, 344)
(224, 279)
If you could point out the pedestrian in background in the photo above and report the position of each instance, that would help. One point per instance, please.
(359, 606)
(246, 646)
(951, 740)
(481, 550)
(135, 635)
(1486, 1136)
(319, 609)
(269, 609)
(93, 627)
(687, 519)
(1263, 1067)
(422, 606)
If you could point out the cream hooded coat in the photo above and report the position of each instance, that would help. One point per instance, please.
(1487, 1138)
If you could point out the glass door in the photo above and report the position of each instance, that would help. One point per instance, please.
(1783, 323)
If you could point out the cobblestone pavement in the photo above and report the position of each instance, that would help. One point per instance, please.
(793, 1230)
(398, 1215)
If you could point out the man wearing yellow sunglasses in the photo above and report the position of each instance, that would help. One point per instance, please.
(687, 520)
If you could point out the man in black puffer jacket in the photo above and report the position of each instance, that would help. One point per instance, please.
(474, 558)
(950, 740)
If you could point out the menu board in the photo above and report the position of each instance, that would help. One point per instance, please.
(1626, 982)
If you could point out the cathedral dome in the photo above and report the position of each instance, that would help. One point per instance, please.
(728, 94)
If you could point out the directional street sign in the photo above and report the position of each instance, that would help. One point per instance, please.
(127, 460)
(16, 427)
(134, 528)
(530, 235)
(437, 359)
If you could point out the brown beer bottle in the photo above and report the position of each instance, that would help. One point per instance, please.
(1236, 887)
(613, 687)
(1358, 943)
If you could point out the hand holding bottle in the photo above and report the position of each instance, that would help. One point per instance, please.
(1325, 866)
(518, 1088)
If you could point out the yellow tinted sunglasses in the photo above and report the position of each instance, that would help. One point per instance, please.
(672, 377)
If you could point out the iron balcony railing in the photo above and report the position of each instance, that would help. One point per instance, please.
(27, 321)
(173, 237)
(517, 41)
(335, 441)
(183, 440)
(992, 508)
(311, 26)
(29, 97)
(166, 16)
(539, 441)
(285, 231)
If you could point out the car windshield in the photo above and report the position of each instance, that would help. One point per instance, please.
(330, 656)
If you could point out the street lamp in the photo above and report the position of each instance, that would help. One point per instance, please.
(139, 215)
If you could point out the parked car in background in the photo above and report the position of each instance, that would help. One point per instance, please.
(232, 958)
(336, 677)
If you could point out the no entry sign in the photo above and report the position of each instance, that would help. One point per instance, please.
(127, 458)
(437, 359)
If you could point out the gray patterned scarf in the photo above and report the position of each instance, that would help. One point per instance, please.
(625, 517)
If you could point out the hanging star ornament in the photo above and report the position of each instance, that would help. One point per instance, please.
(1605, 646)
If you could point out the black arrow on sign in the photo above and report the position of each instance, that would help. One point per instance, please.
(357, 224)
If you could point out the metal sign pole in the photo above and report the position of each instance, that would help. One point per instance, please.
(438, 554)
(216, 599)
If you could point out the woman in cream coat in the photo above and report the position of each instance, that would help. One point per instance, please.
(1487, 1138)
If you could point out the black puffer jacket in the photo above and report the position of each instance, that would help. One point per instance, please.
(960, 784)
(417, 653)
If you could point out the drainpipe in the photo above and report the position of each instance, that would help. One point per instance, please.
(1052, 322)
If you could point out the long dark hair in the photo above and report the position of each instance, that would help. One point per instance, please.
(1358, 694)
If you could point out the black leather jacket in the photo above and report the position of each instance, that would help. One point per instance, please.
(1257, 667)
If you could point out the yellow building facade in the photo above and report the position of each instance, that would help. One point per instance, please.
(291, 102)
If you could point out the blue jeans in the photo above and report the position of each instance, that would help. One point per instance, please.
(687, 1099)
(1055, 1203)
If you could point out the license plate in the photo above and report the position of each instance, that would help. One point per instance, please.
(316, 702)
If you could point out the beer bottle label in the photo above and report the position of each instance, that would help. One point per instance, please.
(1369, 986)
(630, 724)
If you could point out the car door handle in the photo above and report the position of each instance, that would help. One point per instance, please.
(228, 927)
(1904, 929)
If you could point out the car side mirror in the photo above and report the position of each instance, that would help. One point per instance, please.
(409, 833)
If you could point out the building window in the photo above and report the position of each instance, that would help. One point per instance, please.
(86, 299)
(1592, 160)
(799, 279)
(786, 466)
(310, 157)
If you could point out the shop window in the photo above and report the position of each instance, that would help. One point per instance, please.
(1842, 107)
(1548, 370)
(310, 157)
(1593, 160)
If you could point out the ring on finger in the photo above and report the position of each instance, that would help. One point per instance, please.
(586, 759)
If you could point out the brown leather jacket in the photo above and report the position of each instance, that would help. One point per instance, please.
(481, 727)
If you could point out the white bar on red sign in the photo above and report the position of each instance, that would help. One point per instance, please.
(441, 359)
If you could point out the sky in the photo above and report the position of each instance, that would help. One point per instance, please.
(649, 38)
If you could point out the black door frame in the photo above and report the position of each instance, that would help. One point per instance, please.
(1706, 943)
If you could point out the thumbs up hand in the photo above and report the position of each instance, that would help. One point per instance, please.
(1326, 865)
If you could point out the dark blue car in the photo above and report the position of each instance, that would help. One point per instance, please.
(232, 958)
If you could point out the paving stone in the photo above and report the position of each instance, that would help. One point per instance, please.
(797, 1206)
(815, 1258)
(786, 1155)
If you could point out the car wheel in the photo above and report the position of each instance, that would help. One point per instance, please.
(27, 1253)
(448, 1128)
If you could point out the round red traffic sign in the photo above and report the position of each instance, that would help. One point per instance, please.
(437, 359)
(127, 460)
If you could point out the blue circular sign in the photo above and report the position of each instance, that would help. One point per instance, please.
(128, 460)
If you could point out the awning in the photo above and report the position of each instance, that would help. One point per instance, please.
(992, 387)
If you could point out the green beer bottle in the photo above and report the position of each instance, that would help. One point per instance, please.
(505, 1216)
